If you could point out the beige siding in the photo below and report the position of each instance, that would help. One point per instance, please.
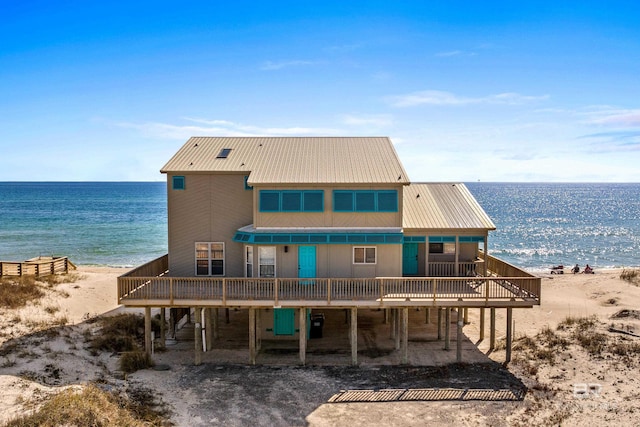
(210, 209)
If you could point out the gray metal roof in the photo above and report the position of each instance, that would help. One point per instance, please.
(294, 160)
(442, 206)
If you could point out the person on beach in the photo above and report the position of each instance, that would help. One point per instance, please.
(588, 270)
(575, 269)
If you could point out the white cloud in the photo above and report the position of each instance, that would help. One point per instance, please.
(220, 128)
(271, 66)
(437, 97)
(343, 48)
(449, 53)
(377, 120)
(629, 118)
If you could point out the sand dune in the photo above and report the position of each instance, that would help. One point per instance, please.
(41, 351)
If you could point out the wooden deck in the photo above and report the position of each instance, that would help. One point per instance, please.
(40, 266)
(151, 286)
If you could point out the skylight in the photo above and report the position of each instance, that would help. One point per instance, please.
(224, 153)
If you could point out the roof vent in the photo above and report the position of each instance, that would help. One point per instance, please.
(224, 153)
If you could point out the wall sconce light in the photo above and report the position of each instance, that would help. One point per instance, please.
(286, 249)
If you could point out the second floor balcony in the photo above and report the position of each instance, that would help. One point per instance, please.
(503, 286)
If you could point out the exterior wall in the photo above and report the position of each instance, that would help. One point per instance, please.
(210, 209)
(337, 261)
(468, 251)
(328, 218)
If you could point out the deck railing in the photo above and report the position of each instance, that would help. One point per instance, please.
(41, 266)
(135, 289)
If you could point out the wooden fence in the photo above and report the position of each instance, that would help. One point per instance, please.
(41, 266)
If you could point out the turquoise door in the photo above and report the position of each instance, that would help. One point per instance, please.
(284, 321)
(409, 259)
(306, 261)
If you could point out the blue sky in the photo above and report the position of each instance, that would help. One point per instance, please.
(493, 91)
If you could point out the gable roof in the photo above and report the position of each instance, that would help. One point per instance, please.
(293, 160)
(442, 206)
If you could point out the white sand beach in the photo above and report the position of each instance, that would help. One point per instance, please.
(35, 363)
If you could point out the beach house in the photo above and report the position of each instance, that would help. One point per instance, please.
(284, 227)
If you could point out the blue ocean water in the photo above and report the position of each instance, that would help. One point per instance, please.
(94, 223)
(540, 225)
(125, 223)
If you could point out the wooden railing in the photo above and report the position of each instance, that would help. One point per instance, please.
(157, 267)
(136, 289)
(42, 266)
(497, 267)
(448, 269)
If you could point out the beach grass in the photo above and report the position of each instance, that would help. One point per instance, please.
(18, 291)
(630, 275)
(93, 406)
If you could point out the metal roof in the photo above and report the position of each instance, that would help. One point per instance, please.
(442, 206)
(293, 160)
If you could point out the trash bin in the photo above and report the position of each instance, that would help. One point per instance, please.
(317, 322)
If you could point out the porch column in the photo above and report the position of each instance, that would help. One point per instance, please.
(439, 323)
(405, 335)
(147, 330)
(398, 327)
(258, 329)
(457, 257)
(303, 334)
(354, 336)
(392, 328)
(252, 336)
(216, 324)
(460, 323)
(208, 328)
(197, 330)
(482, 316)
(509, 333)
(447, 328)
(486, 253)
(172, 322)
(492, 328)
(466, 315)
(163, 326)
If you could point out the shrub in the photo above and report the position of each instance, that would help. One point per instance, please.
(132, 361)
(89, 407)
(17, 292)
(630, 275)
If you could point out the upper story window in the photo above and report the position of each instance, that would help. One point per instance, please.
(291, 200)
(178, 182)
(365, 200)
(209, 259)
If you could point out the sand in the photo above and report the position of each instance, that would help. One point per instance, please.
(42, 351)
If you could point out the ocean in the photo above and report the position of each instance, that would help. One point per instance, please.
(125, 223)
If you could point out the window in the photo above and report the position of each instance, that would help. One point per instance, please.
(442, 248)
(248, 257)
(365, 201)
(209, 259)
(178, 182)
(267, 261)
(364, 255)
(291, 200)
(224, 153)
